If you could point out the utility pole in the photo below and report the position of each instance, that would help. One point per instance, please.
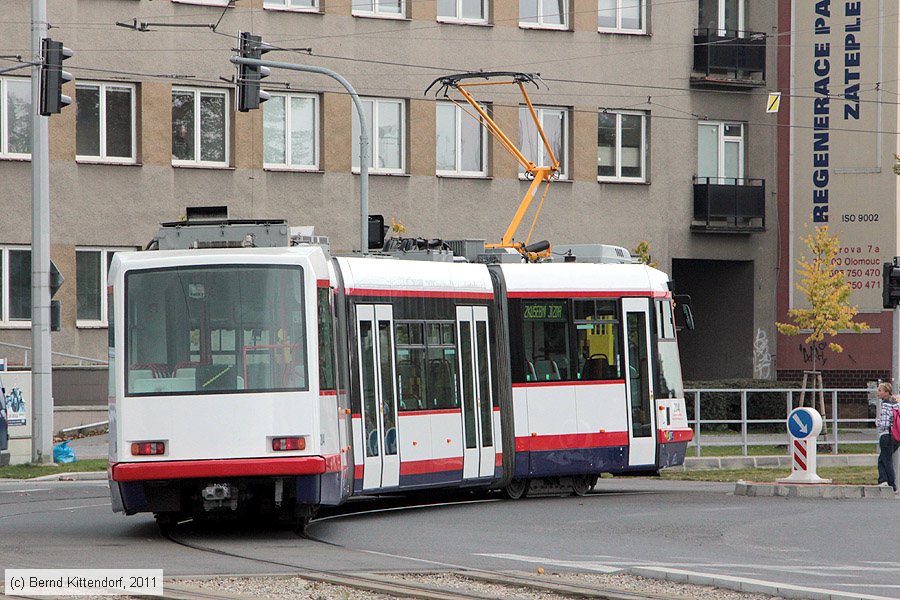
(41, 373)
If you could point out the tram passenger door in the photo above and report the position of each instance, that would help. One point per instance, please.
(641, 413)
(379, 407)
(475, 391)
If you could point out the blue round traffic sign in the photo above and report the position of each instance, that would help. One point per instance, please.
(800, 423)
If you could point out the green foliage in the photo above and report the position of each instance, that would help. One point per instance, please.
(31, 470)
(826, 291)
(642, 252)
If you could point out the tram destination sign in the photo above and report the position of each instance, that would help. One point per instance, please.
(544, 310)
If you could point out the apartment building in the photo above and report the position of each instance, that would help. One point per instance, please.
(655, 108)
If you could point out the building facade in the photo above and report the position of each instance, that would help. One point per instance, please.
(837, 146)
(656, 110)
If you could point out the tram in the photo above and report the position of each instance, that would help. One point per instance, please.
(279, 379)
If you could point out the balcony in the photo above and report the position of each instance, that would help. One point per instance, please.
(728, 205)
(729, 59)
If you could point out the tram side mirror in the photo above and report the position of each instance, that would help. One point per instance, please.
(377, 232)
(684, 316)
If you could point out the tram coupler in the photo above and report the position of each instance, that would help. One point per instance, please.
(219, 495)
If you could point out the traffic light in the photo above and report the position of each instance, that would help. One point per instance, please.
(56, 280)
(890, 285)
(53, 77)
(249, 93)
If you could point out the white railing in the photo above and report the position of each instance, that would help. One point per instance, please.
(838, 429)
(81, 359)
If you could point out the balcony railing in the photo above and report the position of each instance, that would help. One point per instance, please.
(729, 205)
(729, 57)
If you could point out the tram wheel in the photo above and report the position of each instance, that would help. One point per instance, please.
(166, 521)
(582, 484)
(300, 526)
(516, 488)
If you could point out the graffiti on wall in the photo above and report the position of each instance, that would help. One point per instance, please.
(762, 358)
(814, 353)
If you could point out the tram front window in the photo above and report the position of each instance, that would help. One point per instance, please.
(215, 329)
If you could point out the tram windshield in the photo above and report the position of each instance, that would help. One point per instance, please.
(215, 329)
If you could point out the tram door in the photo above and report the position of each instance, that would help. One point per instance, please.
(379, 408)
(475, 391)
(639, 386)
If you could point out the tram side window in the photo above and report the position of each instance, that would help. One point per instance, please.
(426, 365)
(545, 339)
(598, 331)
(669, 382)
(326, 341)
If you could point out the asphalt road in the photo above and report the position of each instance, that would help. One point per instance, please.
(843, 545)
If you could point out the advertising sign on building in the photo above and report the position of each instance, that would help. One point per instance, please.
(841, 149)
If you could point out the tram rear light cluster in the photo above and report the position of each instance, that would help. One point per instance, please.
(148, 448)
(288, 443)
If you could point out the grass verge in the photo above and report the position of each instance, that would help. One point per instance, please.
(778, 449)
(28, 471)
(839, 475)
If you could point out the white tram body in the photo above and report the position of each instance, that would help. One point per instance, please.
(281, 379)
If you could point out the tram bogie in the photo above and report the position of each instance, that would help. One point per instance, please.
(276, 380)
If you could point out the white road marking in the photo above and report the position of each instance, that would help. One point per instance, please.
(572, 564)
(25, 491)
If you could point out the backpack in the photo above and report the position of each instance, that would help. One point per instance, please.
(895, 423)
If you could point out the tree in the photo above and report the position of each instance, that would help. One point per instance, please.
(642, 252)
(829, 309)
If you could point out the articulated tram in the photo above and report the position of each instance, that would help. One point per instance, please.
(279, 379)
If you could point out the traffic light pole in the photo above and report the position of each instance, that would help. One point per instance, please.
(41, 374)
(363, 135)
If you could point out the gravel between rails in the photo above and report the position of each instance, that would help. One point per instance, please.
(297, 587)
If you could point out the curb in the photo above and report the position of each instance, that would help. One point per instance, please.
(744, 584)
(74, 476)
(813, 490)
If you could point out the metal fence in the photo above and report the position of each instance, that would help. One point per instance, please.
(745, 422)
(82, 360)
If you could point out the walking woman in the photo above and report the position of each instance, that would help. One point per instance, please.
(886, 444)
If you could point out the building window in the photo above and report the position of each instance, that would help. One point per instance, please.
(91, 268)
(622, 146)
(15, 286)
(292, 4)
(544, 14)
(462, 11)
(461, 147)
(15, 118)
(555, 122)
(724, 16)
(720, 152)
(105, 129)
(624, 16)
(379, 8)
(291, 131)
(387, 148)
(200, 127)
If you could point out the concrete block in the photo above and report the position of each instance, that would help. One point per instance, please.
(853, 491)
(809, 491)
(768, 461)
(736, 462)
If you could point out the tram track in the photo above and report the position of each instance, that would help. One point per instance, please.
(393, 584)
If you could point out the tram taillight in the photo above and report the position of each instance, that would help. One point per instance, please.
(288, 443)
(148, 448)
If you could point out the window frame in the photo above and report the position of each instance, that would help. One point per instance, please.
(375, 13)
(618, 27)
(4, 121)
(103, 158)
(285, 5)
(618, 178)
(564, 159)
(539, 24)
(222, 3)
(462, 20)
(374, 143)
(721, 141)
(288, 165)
(460, 115)
(106, 253)
(197, 162)
(5, 288)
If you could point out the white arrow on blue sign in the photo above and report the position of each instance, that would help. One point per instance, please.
(800, 423)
